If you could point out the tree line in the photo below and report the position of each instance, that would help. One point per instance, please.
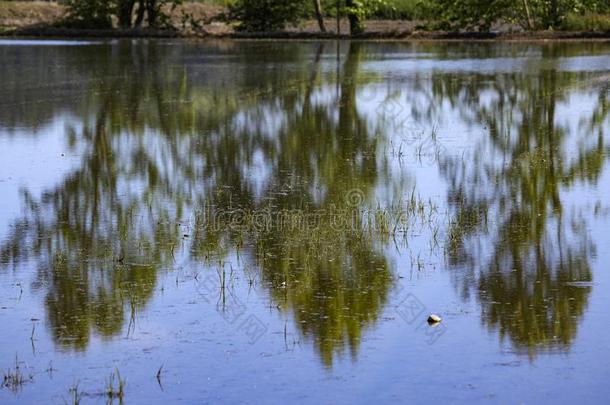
(98, 14)
(274, 15)
(530, 14)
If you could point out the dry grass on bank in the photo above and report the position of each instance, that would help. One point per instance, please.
(17, 14)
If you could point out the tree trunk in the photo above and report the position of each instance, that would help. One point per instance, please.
(125, 12)
(318, 7)
(141, 11)
(355, 24)
(528, 13)
(152, 11)
(554, 14)
(338, 17)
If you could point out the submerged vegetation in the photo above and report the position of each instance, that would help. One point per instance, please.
(14, 378)
(115, 388)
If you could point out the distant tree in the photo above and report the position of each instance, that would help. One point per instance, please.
(272, 15)
(358, 10)
(124, 12)
(531, 14)
(267, 15)
(95, 14)
(552, 13)
(355, 15)
(141, 13)
(470, 14)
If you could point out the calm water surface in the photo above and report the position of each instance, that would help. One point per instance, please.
(265, 222)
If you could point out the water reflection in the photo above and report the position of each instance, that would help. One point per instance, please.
(157, 142)
(527, 249)
(165, 129)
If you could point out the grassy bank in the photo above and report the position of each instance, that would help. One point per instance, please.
(587, 22)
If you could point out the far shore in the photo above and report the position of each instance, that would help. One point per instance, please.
(405, 35)
(39, 19)
(43, 19)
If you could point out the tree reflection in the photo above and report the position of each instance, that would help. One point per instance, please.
(158, 142)
(528, 253)
(164, 130)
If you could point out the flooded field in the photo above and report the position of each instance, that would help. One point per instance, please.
(273, 222)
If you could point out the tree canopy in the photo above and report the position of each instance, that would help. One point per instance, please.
(129, 13)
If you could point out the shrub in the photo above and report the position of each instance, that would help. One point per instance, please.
(94, 14)
(470, 14)
(587, 22)
(267, 15)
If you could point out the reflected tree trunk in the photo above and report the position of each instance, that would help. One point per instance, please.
(313, 78)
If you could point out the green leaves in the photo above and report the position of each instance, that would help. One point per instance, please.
(94, 14)
(98, 14)
(267, 15)
(470, 14)
(273, 15)
(480, 15)
(358, 10)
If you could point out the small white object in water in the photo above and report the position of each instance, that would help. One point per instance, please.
(433, 319)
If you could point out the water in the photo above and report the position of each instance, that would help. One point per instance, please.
(272, 221)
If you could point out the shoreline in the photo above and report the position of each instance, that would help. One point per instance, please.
(47, 32)
(38, 19)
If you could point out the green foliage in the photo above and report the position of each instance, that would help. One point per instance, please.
(98, 14)
(470, 14)
(95, 14)
(532, 14)
(587, 22)
(404, 10)
(273, 15)
(553, 13)
(358, 10)
(550, 13)
(267, 15)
